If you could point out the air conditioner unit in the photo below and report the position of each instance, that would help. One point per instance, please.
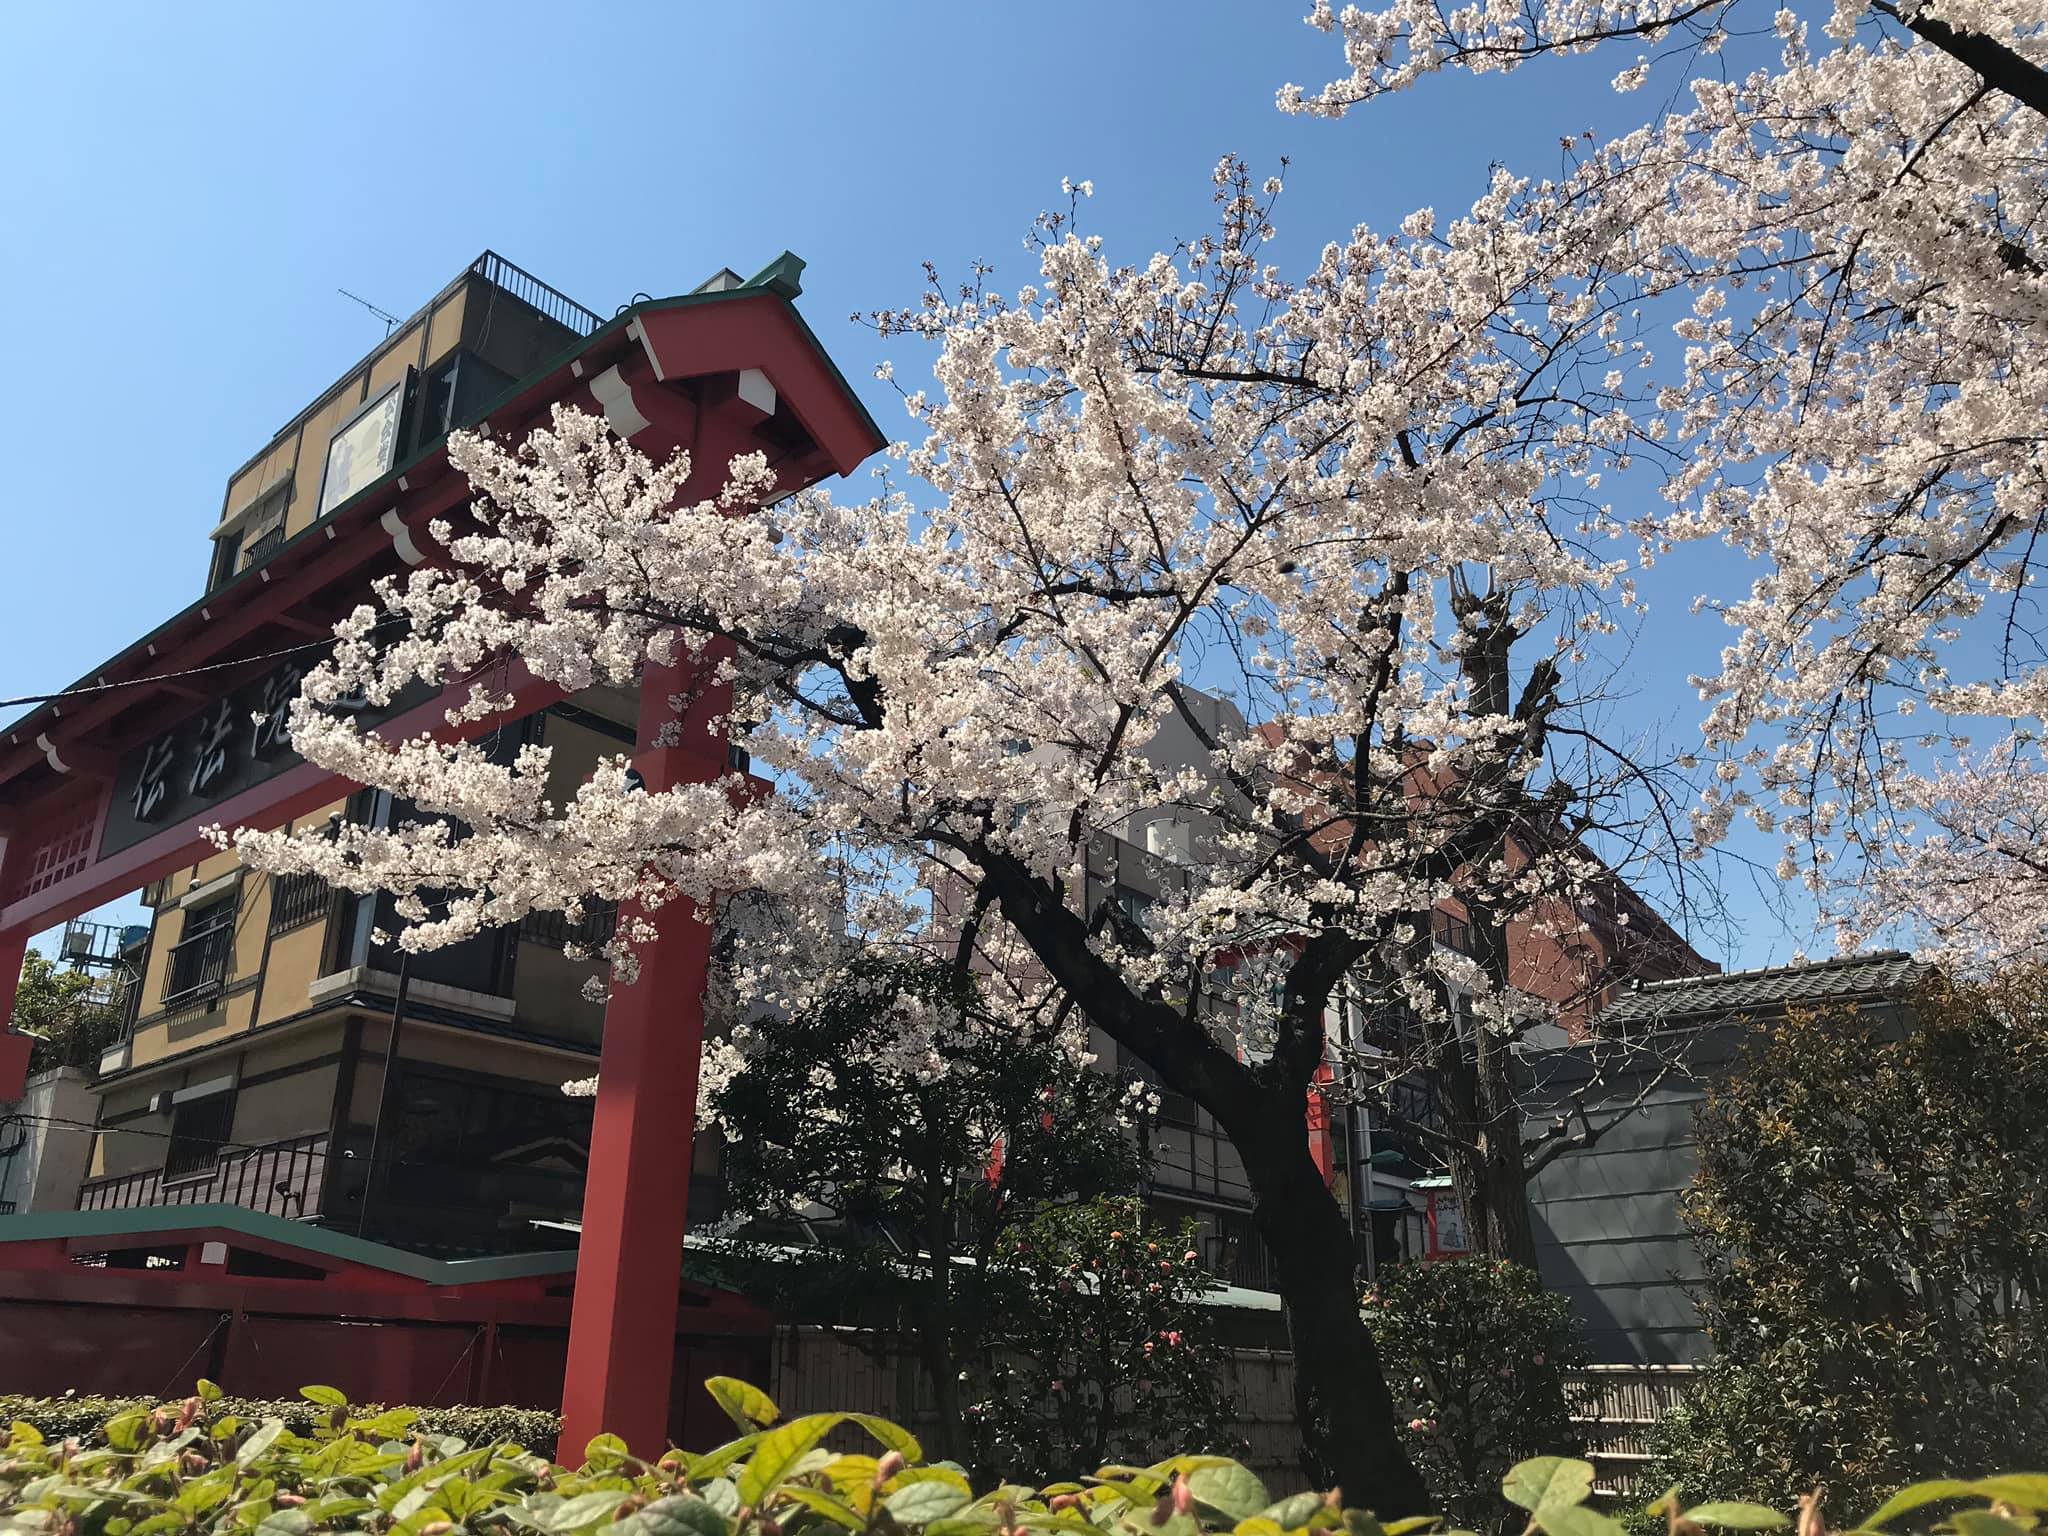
(77, 943)
(1167, 840)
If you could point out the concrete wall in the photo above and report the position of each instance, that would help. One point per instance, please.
(50, 1159)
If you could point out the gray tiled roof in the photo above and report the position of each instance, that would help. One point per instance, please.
(1883, 973)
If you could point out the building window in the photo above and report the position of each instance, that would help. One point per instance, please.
(227, 551)
(296, 900)
(199, 960)
(246, 538)
(199, 1128)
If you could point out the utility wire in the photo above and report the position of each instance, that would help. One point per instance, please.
(86, 690)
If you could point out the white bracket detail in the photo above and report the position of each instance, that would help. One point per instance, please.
(755, 389)
(401, 537)
(616, 396)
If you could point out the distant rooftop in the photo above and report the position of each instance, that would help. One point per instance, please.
(1882, 973)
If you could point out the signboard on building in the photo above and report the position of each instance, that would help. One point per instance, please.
(1445, 1217)
(363, 451)
(241, 739)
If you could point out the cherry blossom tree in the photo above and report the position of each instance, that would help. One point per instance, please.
(1380, 500)
(1856, 223)
(1364, 499)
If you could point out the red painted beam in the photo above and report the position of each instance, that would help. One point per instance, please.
(299, 789)
(763, 332)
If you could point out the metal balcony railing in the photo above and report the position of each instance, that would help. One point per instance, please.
(199, 965)
(528, 289)
(556, 930)
(296, 900)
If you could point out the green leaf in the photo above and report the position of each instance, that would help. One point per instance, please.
(923, 1502)
(1934, 1491)
(722, 1496)
(1543, 1481)
(411, 1502)
(285, 1522)
(259, 1441)
(780, 1450)
(747, 1406)
(972, 1522)
(1292, 1512)
(1411, 1525)
(819, 1502)
(1981, 1522)
(711, 1463)
(124, 1431)
(1229, 1489)
(585, 1509)
(1738, 1516)
(209, 1392)
(1259, 1525)
(2027, 1490)
(680, 1515)
(326, 1397)
(1574, 1520)
(891, 1435)
(604, 1452)
(336, 1507)
(953, 1477)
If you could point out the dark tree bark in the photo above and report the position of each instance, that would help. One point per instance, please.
(1341, 1400)
(1343, 1408)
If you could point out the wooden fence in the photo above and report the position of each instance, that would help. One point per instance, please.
(1620, 1405)
(819, 1370)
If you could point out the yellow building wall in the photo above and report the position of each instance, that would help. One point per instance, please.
(446, 327)
(294, 967)
(389, 366)
(275, 463)
(319, 429)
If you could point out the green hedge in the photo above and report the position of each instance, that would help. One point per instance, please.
(81, 1418)
(197, 1468)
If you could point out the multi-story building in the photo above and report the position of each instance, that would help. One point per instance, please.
(275, 1056)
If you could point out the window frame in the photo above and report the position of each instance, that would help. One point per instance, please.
(218, 920)
(220, 1105)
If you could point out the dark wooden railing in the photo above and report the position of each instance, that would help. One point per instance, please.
(281, 1178)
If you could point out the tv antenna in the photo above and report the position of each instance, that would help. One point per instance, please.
(389, 319)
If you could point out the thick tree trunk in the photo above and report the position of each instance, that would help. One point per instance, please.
(1510, 1230)
(1340, 1394)
(937, 1345)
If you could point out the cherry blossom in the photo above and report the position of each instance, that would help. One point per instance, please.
(1851, 236)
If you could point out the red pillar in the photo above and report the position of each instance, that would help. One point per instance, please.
(622, 1324)
(1322, 1143)
(14, 1049)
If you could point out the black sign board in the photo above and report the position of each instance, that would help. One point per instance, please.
(240, 740)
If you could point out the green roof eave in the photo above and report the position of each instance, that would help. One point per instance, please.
(147, 1220)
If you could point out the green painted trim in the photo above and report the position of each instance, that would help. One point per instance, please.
(150, 1219)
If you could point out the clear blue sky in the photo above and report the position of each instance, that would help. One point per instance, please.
(186, 187)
